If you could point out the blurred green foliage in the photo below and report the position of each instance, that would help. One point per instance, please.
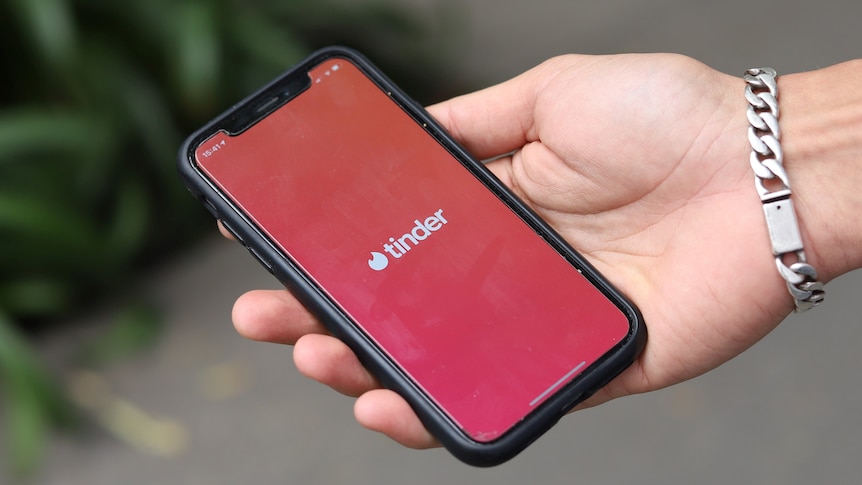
(96, 97)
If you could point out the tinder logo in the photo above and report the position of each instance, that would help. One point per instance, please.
(398, 247)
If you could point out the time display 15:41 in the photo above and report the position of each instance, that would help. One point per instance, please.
(211, 150)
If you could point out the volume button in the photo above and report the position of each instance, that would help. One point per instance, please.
(231, 230)
(260, 259)
(209, 207)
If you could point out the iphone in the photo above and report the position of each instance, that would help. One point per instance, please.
(448, 287)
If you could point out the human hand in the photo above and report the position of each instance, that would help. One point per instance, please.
(641, 163)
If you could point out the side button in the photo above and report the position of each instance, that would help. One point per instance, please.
(260, 259)
(230, 230)
(574, 402)
(209, 207)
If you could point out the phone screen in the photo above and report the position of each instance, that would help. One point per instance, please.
(462, 295)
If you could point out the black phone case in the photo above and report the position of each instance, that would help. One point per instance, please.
(316, 301)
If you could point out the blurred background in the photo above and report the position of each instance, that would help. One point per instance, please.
(118, 362)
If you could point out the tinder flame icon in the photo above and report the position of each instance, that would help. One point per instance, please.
(378, 261)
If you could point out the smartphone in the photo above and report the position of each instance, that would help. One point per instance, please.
(446, 285)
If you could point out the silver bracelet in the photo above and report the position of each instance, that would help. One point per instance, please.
(770, 178)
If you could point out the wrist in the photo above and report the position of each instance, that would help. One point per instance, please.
(821, 125)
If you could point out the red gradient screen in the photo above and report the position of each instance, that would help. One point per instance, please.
(477, 309)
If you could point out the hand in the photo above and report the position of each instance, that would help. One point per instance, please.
(641, 163)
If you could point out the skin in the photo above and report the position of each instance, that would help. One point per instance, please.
(641, 163)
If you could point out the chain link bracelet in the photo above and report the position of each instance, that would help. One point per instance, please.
(773, 186)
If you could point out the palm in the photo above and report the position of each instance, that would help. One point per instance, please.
(658, 207)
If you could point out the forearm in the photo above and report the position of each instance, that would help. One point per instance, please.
(821, 124)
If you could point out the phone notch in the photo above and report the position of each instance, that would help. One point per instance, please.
(267, 101)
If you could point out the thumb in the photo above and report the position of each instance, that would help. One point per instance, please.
(492, 121)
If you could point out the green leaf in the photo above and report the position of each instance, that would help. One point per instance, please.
(36, 296)
(197, 54)
(130, 220)
(137, 105)
(27, 430)
(33, 400)
(51, 29)
(267, 42)
(40, 130)
(45, 222)
(137, 327)
(149, 114)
